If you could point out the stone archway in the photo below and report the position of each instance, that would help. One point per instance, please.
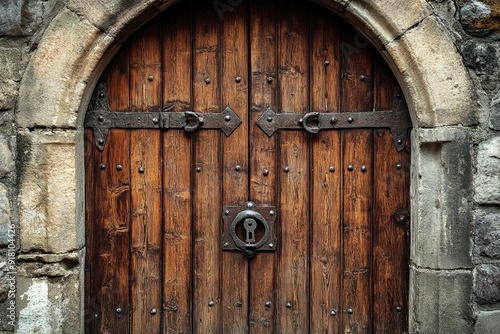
(71, 55)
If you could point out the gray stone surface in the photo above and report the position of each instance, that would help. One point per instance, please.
(494, 118)
(488, 172)
(482, 57)
(7, 163)
(50, 219)
(440, 301)
(488, 322)
(50, 293)
(5, 215)
(487, 236)
(20, 17)
(480, 17)
(442, 194)
(487, 287)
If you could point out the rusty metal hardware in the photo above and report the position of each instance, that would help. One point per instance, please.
(249, 228)
(100, 118)
(397, 120)
(401, 217)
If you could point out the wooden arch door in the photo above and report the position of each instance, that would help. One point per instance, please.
(247, 168)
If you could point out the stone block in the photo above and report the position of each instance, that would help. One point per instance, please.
(441, 194)
(11, 60)
(49, 299)
(20, 17)
(7, 163)
(50, 206)
(432, 72)
(487, 288)
(440, 301)
(480, 17)
(372, 17)
(57, 78)
(4, 215)
(487, 236)
(488, 322)
(8, 93)
(494, 118)
(487, 180)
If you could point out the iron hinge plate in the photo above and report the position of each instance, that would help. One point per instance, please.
(397, 120)
(101, 119)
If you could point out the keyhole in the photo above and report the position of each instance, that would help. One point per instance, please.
(250, 225)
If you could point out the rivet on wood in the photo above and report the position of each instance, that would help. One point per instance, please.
(175, 308)
(399, 308)
(103, 166)
(141, 170)
(249, 205)
(269, 79)
(153, 311)
(398, 166)
(198, 169)
(207, 81)
(350, 168)
(119, 167)
(350, 311)
(288, 305)
(211, 303)
(269, 303)
(333, 313)
(150, 78)
(239, 303)
(238, 79)
(119, 310)
(332, 169)
(265, 172)
(363, 169)
(362, 77)
(286, 169)
(237, 168)
(327, 63)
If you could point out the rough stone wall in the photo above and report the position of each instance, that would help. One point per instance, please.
(475, 28)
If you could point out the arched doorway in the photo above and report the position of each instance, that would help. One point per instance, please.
(168, 211)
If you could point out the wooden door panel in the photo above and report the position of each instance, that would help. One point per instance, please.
(262, 164)
(207, 306)
(154, 212)
(326, 171)
(177, 174)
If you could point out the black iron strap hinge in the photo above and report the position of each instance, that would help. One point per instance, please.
(397, 120)
(101, 119)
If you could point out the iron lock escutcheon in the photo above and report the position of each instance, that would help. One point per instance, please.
(249, 228)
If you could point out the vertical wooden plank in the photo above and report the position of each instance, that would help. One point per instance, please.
(263, 65)
(390, 239)
(146, 240)
(234, 54)
(326, 177)
(357, 184)
(207, 204)
(293, 292)
(178, 255)
(108, 205)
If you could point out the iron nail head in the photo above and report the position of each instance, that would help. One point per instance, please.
(227, 118)
(350, 311)
(119, 310)
(399, 166)
(286, 169)
(101, 141)
(211, 303)
(207, 81)
(249, 205)
(198, 169)
(350, 168)
(332, 169)
(150, 78)
(333, 313)
(361, 77)
(271, 245)
(141, 170)
(239, 303)
(271, 213)
(265, 172)
(226, 244)
(155, 120)
(400, 141)
(119, 167)
(288, 305)
(363, 169)
(103, 166)
(269, 79)
(100, 118)
(399, 308)
(101, 94)
(269, 303)
(327, 62)
(350, 119)
(238, 79)
(226, 212)
(237, 168)
(153, 311)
